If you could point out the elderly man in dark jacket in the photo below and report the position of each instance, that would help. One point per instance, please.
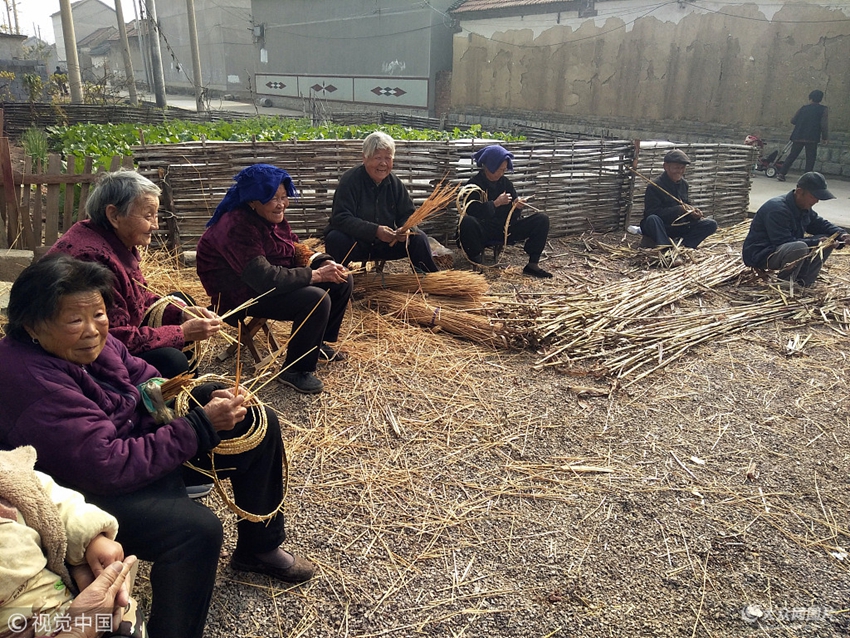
(667, 211)
(370, 205)
(786, 231)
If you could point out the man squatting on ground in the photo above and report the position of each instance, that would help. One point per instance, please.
(777, 239)
(664, 216)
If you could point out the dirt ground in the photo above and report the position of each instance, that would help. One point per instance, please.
(448, 489)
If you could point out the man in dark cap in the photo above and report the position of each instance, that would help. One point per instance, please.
(811, 123)
(667, 212)
(788, 236)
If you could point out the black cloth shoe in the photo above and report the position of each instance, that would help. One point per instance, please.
(533, 270)
(300, 571)
(780, 177)
(303, 382)
(647, 242)
(328, 354)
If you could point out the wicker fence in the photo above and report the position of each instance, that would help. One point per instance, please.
(581, 185)
(40, 202)
(17, 116)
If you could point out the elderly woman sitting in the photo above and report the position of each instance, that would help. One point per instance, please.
(122, 211)
(369, 205)
(249, 249)
(72, 391)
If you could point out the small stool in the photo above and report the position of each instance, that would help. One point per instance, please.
(250, 328)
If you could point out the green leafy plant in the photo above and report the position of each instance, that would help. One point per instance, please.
(35, 144)
(105, 140)
(34, 86)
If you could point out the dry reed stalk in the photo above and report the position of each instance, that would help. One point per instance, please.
(447, 283)
(437, 314)
(435, 204)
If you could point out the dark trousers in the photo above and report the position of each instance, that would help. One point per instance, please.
(417, 249)
(692, 234)
(796, 147)
(169, 361)
(182, 538)
(315, 317)
(474, 235)
(805, 262)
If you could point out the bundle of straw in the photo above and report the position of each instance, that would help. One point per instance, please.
(435, 204)
(448, 283)
(438, 314)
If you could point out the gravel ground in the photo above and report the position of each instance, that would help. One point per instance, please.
(446, 489)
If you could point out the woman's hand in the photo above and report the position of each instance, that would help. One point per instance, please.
(225, 410)
(330, 272)
(199, 323)
(503, 199)
(108, 591)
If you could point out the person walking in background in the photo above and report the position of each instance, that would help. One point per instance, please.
(810, 125)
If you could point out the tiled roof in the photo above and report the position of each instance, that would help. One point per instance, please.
(513, 7)
(97, 37)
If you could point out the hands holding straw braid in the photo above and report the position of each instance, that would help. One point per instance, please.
(199, 323)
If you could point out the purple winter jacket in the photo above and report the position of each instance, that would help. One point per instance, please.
(87, 423)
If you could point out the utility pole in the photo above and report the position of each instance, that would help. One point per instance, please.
(15, 11)
(74, 79)
(156, 54)
(196, 57)
(125, 50)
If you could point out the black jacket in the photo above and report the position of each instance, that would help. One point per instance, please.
(779, 221)
(360, 205)
(656, 202)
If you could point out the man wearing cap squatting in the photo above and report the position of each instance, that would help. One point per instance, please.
(785, 232)
(486, 217)
(665, 217)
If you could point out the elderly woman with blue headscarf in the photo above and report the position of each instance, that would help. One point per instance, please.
(490, 205)
(249, 249)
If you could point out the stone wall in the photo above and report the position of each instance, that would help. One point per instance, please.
(15, 90)
(749, 66)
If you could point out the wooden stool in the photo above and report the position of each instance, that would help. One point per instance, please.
(250, 328)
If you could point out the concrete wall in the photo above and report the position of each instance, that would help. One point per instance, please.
(735, 63)
(224, 39)
(351, 39)
(89, 16)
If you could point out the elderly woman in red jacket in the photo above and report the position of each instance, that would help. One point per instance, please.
(122, 211)
(72, 391)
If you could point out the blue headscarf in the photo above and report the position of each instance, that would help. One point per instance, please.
(255, 183)
(491, 158)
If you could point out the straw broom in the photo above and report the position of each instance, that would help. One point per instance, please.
(434, 205)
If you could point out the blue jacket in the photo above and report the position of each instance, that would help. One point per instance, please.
(779, 221)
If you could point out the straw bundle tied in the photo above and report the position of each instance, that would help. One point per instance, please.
(447, 283)
(446, 314)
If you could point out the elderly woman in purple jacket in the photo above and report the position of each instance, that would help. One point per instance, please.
(71, 390)
(249, 250)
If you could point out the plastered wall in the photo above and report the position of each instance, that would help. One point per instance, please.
(737, 63)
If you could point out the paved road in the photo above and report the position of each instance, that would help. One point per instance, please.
(835, 210)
